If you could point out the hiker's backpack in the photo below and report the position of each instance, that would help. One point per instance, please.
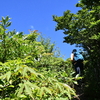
(78, 56)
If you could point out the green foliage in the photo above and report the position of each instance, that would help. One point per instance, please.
(46, 42)
(16, 45)
(22, 81)
(83, 30)
(49, 46)
(30, 70)
(89, 4)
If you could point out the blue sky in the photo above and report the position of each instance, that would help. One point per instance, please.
(37, 15)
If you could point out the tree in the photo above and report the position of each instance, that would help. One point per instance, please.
(15, 45)
(4, 24)
(83, 30)
(46, 42)
(49, 46)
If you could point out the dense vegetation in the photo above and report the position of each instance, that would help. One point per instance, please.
(83, 29)
(30, 68)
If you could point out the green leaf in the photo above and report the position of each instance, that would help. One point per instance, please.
(8, 75)
(41, 92)
(69, 90)
(1, 86)
(33, 86)
(7, 18)
(23, 96)
(47, 90)
(3, 21)
(1, 82)
(59, 87)
(28, 90)
(12, 86)
(24, 72)
(8, 24)
(75, 82)
(19, 91)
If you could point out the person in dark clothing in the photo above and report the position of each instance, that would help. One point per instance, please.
(77, 61)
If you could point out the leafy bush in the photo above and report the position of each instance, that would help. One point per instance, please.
(17, 80)
(21, 56)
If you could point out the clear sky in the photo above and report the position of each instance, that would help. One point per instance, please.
(37, 15)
